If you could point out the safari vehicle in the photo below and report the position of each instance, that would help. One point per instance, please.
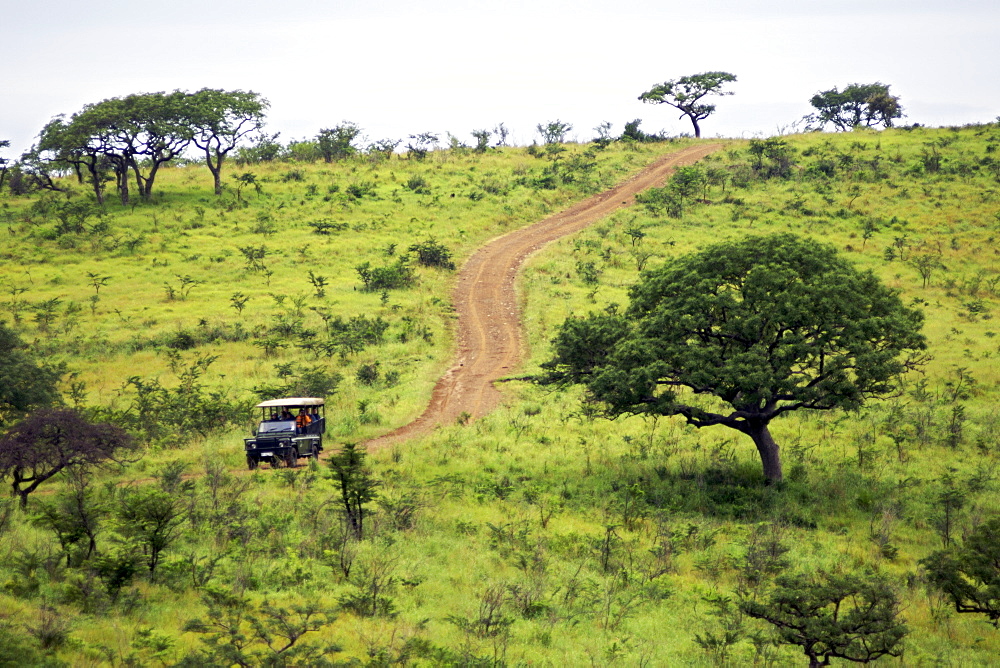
(285, 433)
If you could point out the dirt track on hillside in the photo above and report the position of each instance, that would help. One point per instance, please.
(489, 335)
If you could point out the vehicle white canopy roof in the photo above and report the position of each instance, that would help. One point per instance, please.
(291, 402)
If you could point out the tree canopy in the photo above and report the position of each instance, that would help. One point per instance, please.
(848, 616)
(51, 440)
(969, 576)
(337, 143)
(133, 136)
(219, 119)
(24, 383)
(686, 93)
(763, 325)
(867, 105)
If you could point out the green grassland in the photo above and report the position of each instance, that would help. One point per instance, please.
(540, 534)
(124, 286)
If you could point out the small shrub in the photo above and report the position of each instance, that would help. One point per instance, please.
(360, 190)
(418, 184)
(368, 374)
(430, 253)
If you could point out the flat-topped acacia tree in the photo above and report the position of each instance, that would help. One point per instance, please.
(740, 333)
(686, 94)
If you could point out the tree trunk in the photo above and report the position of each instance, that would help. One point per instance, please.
(697, 128)
(137, 172)
(770, 457)
(121, 180)
(95, 181)
(216, 169)
(147, 191)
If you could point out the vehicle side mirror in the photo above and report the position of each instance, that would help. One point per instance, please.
(253, 431)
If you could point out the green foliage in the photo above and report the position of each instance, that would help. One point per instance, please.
(75, 517)
(969, 575)
(17, 650)
(767, 325)
(418, 184)
(858, 105)
(395, 276)
(771, 158)
(266, 148)
(337, 143)
(851, 616)
(373, 578)
(219, 120)
(633, 133)
(25, 384)
(554, 132)
(237, 630)
(356, 484)
(482, 140)
(160, 412)
(686, 94)
(152, 518)
(432, 253)
(421, 144)
(670, 200)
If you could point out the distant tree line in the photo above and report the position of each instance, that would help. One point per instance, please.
(127, 139)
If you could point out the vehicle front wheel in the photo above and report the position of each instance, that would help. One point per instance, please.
(292, 458)
(252, 462)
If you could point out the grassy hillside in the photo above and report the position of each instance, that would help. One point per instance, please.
(541, 534)
(263, 281)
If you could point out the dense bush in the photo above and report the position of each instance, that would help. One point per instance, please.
(431, 253)
(387, 277)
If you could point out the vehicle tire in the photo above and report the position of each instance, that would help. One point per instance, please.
(252, 462)
(292, 457)
(315, 452)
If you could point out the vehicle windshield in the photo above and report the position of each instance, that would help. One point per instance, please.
(273, 426)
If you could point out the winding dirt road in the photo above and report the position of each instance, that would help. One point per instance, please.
(489, 332)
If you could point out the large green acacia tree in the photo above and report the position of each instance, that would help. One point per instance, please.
(740, 333)
(867, 105)
(139, 134)
(219, 119)
(686, 94)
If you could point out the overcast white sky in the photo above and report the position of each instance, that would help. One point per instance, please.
(398, 68)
